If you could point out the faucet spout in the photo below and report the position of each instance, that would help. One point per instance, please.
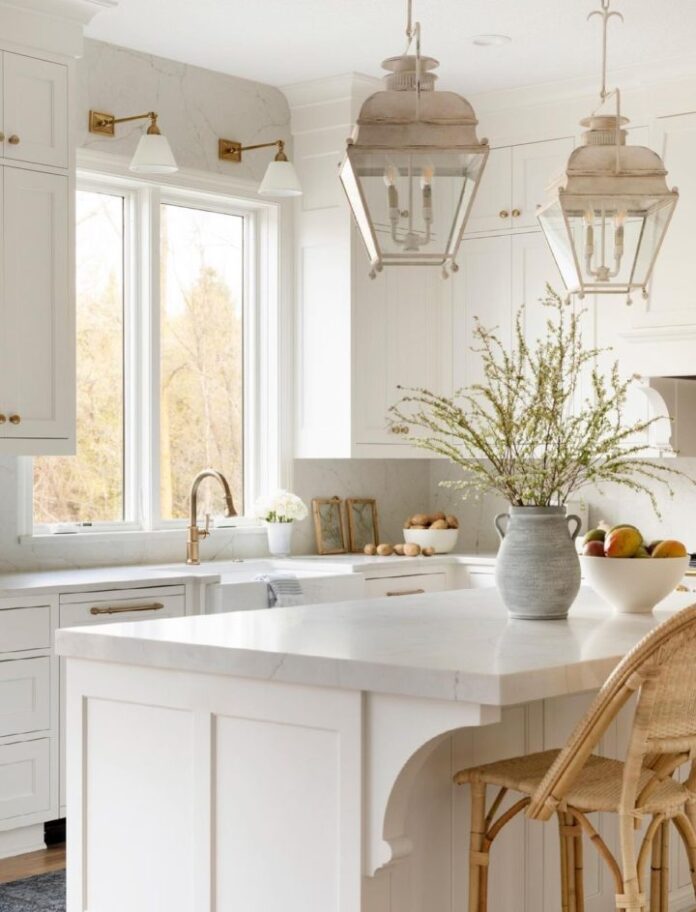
(194, 533)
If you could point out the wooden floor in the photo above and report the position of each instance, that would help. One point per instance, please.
(42, 862)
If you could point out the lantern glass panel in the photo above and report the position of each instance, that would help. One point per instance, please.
(560, 240)
(656, 224)
(416, 202)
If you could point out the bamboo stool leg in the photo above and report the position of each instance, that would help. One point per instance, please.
(579, 870)
(656, 872)
(478, 826)
(562, 839)
(664, 896)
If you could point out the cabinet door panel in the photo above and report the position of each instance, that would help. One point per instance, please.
(534, 167)
(400, 332)
(494, 197)
(35, 96)
(672, 296)
(481, 289)
(37, 372)
(533, 267)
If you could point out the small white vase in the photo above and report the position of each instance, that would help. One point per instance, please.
(280, 538)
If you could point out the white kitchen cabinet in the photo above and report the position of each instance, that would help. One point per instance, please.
(672, 300)
(514, 185)
(406, 584)
(25, 695)
(37, 344)
(498, 274)
(81, 609)
(25, 791)
(401, 328)
(35, 110)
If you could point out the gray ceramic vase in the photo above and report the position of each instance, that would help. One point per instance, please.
(537, 570)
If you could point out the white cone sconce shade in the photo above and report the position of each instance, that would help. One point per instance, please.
(413, 166)
(153, 155)
(609, 212)
(280, 180)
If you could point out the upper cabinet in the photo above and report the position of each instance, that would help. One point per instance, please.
(672, 300)
(37, 345)
(34, 110)
(514, 185)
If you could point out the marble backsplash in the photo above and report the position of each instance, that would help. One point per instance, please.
(196, 107)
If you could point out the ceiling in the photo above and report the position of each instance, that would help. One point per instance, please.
(285, 41)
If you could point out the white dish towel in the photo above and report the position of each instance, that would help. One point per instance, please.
(283, 590)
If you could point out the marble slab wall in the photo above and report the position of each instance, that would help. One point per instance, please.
(196, 107)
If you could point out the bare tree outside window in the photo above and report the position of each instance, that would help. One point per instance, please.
(201, 363)
(89, 487)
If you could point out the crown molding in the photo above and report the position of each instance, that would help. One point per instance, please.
(53, 26)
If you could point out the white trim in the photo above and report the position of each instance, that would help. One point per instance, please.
(268, 350)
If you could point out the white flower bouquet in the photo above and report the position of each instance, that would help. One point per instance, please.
(281, 507)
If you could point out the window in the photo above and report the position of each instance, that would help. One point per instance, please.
(166, 378)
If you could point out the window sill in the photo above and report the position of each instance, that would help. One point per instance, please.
(221, 534)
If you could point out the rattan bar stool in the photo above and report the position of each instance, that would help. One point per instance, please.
(573, 782)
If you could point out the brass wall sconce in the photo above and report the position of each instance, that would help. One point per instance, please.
(280, 179)
(153, 154)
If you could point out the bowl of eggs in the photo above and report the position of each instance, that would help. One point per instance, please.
(432, 530)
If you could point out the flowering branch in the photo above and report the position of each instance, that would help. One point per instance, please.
(527, 432)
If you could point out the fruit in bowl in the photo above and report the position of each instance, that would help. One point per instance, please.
(435, 531)
(630, 575)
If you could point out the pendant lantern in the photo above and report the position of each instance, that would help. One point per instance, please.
(609, 212)
(413, 166)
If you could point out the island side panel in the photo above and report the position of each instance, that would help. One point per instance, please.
(199, 792)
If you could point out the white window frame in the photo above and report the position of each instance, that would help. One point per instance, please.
(267, 369)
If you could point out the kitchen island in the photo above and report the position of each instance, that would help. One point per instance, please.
(301, 759)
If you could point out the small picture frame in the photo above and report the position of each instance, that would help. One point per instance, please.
(363, 524)
(328, 525)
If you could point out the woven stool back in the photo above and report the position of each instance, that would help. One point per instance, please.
(662, 669)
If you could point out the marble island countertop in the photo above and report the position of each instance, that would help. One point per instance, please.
(458, 645)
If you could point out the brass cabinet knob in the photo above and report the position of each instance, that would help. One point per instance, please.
(3, 419)
(15, 419)
(2, 136)
(516, 213)
(399, 429)
(14, 139)
(504, 214)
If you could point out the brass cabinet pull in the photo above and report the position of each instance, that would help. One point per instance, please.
(15, 419)
(123, 609)
(407, 592)
(399, 429)
(14, 140)
(2, 136)
(504, 214)
(516, 213)
(3, 419)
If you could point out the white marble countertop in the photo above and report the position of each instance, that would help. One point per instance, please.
(93, 578)
(458, 645)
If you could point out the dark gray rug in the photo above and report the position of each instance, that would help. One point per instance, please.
(44, 893)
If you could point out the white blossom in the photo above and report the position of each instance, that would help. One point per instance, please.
(283, 506)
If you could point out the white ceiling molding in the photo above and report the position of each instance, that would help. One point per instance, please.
(53, 26)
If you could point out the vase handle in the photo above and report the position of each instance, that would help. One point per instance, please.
(497, 523)
(578, 524)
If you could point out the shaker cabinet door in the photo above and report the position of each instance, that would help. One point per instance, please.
(35, 103)
(37, 364)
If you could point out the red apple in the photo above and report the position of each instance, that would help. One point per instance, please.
(594, 549)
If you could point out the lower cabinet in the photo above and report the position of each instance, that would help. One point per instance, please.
(80, 609)
(25, 696)
(25, 781)
(406, 584)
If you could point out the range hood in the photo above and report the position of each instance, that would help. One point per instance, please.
(672, 401)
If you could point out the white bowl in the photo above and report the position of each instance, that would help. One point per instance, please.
(442, 540)
(633, 585)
